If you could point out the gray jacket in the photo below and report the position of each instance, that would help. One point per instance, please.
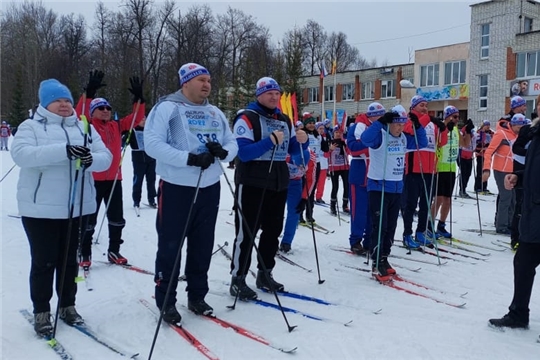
(47, 176)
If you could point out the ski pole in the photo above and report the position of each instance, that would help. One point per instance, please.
(68, 240)
(381, 208)
(3, 177)
(429, 197)
(477, 200)
(220, 247)
(311, 223)
(86, 127)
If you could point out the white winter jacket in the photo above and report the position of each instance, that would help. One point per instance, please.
(47, 176)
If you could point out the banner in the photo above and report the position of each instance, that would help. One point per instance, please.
(529, 87)
(449, 92)
(340, 119)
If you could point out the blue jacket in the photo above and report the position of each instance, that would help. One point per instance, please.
(373, 137)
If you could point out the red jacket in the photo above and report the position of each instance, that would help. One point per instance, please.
(424, 160)
(5, 131)
(111, 134)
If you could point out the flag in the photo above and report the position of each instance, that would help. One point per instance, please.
(281, 104)
(324, 72)
(294, 105)
(344, 122)
(289, 106)
(334, 67)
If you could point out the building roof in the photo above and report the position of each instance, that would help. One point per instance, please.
(443, 46)
(490, 1)
(360, 70)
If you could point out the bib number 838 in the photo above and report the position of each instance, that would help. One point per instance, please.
(203, 137)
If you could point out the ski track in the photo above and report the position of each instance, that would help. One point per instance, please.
(437, 331)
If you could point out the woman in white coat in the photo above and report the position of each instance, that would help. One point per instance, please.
(46, 149)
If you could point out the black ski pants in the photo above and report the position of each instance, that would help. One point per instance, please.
(142, 169)
(465, 170)
(115, 216)
(335, 175)
(48, 239)
(526, 261)
(415, 192)
(514, 231)
(175, 202)
(478, 184)
(270, 221)
(387, 208)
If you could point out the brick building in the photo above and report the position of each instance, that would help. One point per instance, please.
(355, 90)
(504, 56)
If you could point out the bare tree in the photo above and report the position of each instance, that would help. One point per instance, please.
(102, 27)
(238, 30)
(315, 39)
(347, 57)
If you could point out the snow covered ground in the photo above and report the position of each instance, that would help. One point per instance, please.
(409, 327)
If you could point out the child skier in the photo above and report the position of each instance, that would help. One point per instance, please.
(387, 146)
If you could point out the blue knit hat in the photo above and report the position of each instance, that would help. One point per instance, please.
(51, 90)
(403, 117)
(519, 119)
(449, 111)
(486, 122)
(417, 99)
(319, 124)
(375, 109)
(326, 122)
(191, 70)
(266, 84)
(517, 101)
(97, 102)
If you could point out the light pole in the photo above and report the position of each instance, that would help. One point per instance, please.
(406, 85)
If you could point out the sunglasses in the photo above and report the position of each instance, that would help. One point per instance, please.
(103, 108)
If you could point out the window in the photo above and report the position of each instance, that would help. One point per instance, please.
(367, 90)
(329, 93)
(530, 107)
(388, 89)
(484, 45)
(313, 94)
(528, 25)
(455, 72)
(483, 91)
(347, 92)
(528, 64)
(429, 75)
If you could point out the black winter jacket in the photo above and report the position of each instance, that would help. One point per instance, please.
(529, 225)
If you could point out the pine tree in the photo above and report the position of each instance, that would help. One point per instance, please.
(18, 111)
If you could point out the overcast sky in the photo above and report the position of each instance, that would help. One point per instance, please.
(385, 30)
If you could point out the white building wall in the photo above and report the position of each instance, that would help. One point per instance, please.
(505, 25)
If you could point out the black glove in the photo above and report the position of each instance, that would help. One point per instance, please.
(450, 125)
(469, 126)
(76, 151)
(202, 160)
(86, 160)
(388, 118)
(301, 206)
(415, 120)
(438, 122)
(94, 83)
(216, 150)
(136, 89)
